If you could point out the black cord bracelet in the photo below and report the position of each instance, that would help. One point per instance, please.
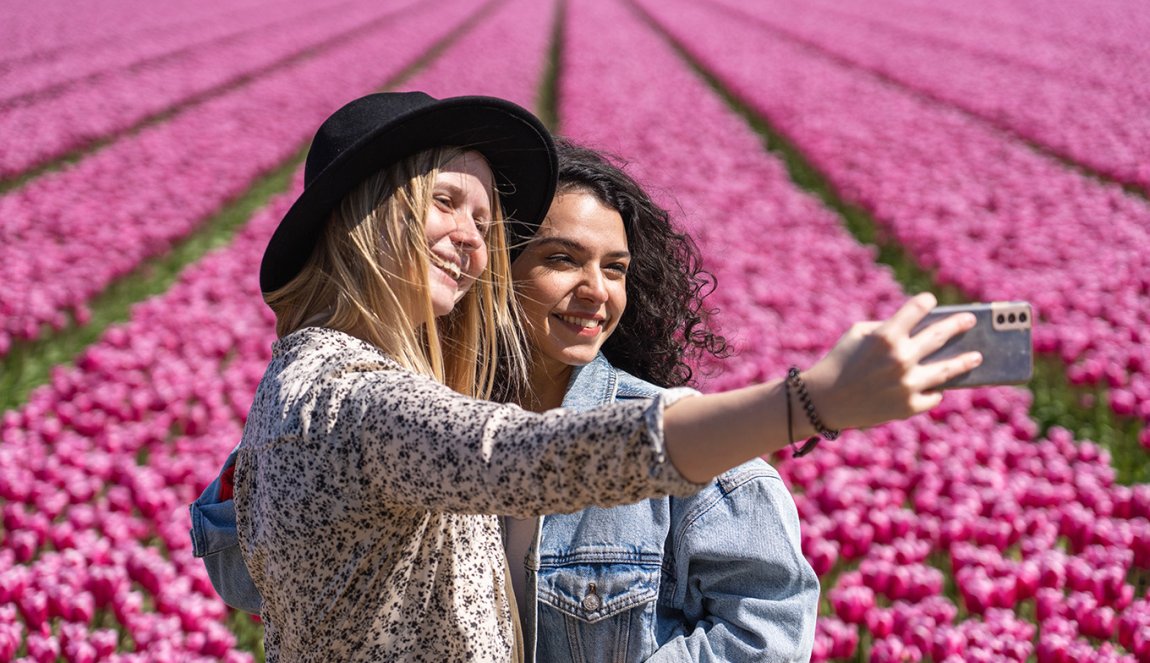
(809, 444)
(796, 382)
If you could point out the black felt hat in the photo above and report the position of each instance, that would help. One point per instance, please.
(374, 132)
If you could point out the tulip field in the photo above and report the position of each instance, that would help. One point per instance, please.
(830, 157)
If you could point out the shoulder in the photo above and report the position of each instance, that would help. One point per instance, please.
(316, 362)
(751, 483)
(319, 348)
(756, 470)
(630, 386)
(321, 380)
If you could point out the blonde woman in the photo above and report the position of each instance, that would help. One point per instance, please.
(367, 466)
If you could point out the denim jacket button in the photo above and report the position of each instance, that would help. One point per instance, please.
(591, 602)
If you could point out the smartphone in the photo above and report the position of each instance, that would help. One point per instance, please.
(1001, 334)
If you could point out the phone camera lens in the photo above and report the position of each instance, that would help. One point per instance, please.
(1010, 318)
(1022, 317)
(1001, 318)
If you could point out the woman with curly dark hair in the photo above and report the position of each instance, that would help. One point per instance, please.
(613, 303)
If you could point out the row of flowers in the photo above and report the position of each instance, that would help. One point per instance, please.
(134, 199)
(1091, 116)
(1096, 45)
(985, 213)
(1112, 31)
(103, 106)
(81, 39)
(97, 469)
(969, 496)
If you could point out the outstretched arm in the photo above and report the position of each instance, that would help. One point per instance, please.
(871, 376)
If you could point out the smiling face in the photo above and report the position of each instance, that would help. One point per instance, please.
(571, 281)
(455, 227)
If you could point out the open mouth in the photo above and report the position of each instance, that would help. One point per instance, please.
(453, 270)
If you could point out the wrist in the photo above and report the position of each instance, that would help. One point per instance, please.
(799, 396)
(826, 394)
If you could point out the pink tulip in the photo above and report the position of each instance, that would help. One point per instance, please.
(891, 649)
(127, 606)
(851, 604)
(1026, 579)
(880, 622)
(1099, 623)
(104, 641)
(823, 555)
(23, 543)
(10, 641)
(80, 652)
(947, 642)
(34, 608)
(13, 583)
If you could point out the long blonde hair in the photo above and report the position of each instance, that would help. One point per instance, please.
(367, 277)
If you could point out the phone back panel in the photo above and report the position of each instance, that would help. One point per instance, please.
(1001, 334)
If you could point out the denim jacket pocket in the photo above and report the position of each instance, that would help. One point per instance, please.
(597, 607)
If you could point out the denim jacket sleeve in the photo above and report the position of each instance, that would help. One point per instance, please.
(738, 587)
(215, 540)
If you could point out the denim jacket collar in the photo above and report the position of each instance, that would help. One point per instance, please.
(599, 383)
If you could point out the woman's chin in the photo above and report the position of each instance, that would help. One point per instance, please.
(443, 300)
(575, 355)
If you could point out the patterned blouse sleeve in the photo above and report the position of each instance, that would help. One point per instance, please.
(413, 442)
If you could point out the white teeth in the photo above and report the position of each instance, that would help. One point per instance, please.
(585, 323)
(451, 268)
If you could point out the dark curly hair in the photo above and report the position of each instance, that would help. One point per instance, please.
(666, 323)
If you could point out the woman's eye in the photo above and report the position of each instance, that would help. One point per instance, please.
(618, 268)
(560, 258)
(443, 201)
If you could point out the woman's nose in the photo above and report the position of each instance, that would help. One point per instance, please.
(593, 286)
(466, 236)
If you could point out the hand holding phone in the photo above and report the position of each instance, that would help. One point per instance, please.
(1001, 334)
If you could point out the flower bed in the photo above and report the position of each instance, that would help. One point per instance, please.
(962, 535)
(97, 469)
(1089, 113)
(73, 37)
(103, 106)
(132, 200)
(959, 532)
(984, 213)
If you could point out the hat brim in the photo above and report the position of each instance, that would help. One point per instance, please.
(515, 143)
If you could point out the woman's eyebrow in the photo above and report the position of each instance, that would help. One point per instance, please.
(573, 245)
(454, 190)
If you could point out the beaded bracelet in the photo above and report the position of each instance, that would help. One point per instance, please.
(795, 381)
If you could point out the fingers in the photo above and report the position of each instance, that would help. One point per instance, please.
(920, 403)
(910, 314)
(933, 375)
(933, 337)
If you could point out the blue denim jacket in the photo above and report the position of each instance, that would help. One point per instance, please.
(719, 576)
